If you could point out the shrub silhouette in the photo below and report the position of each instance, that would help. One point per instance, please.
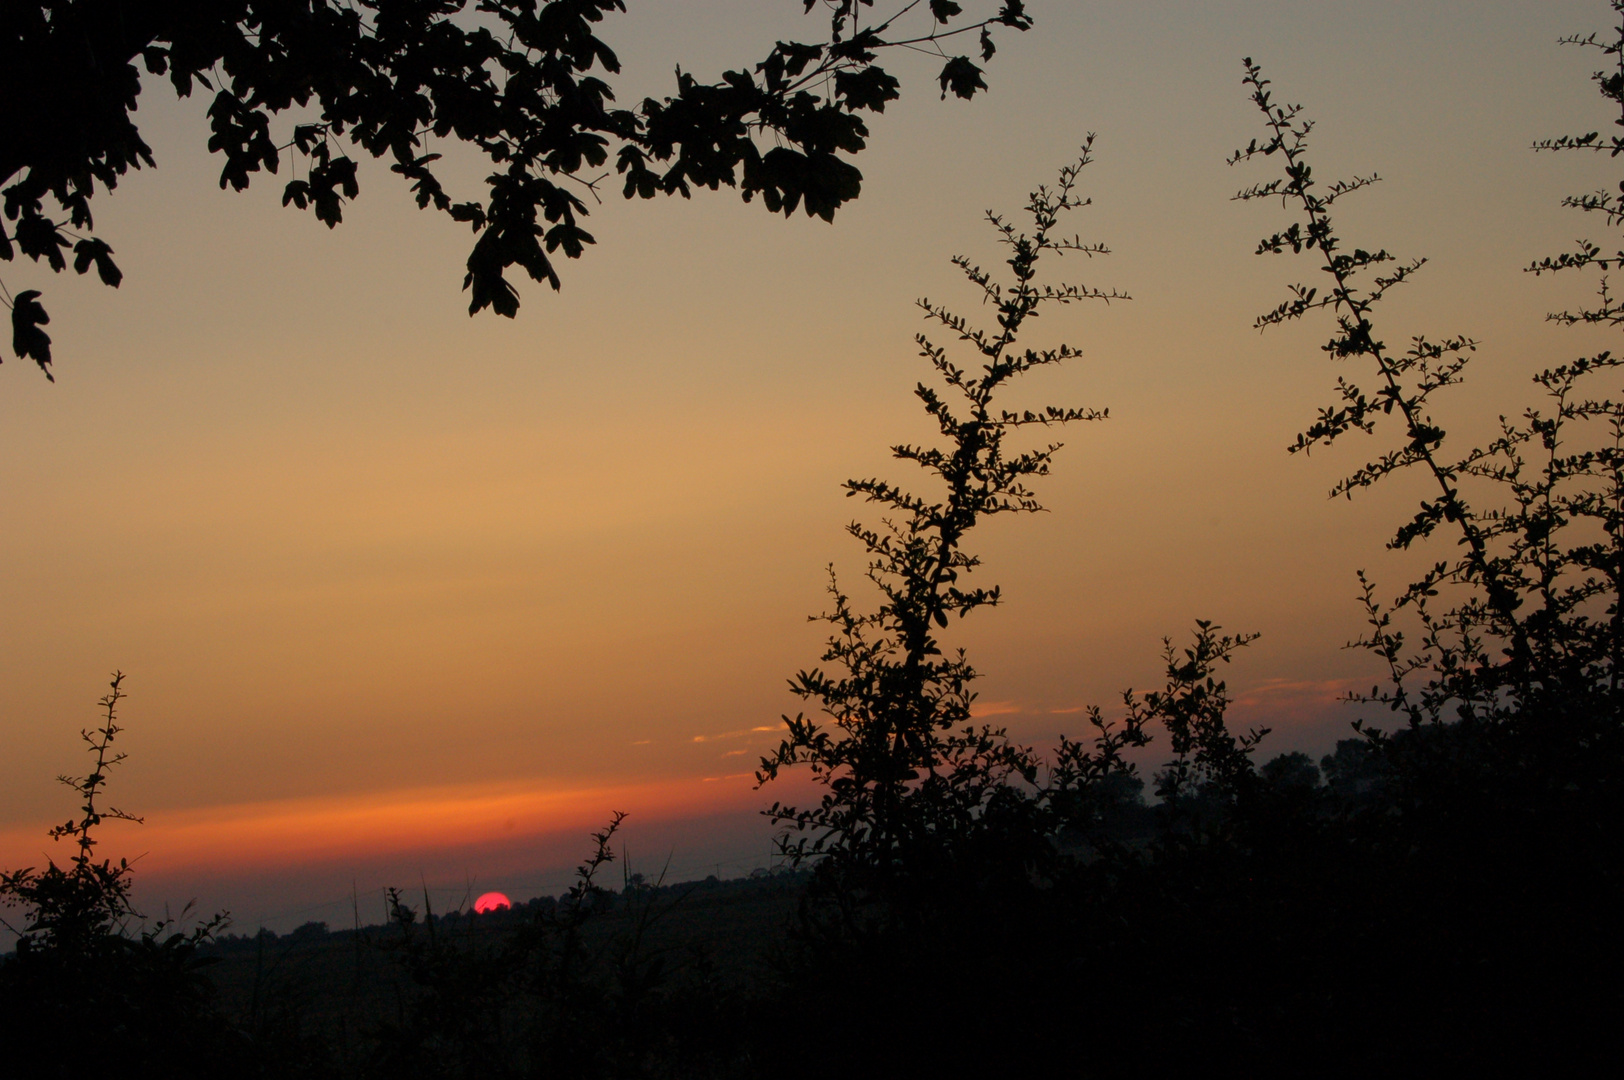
(910, 784)
(942, 849)
(1520, 640)
(1486, 825)
(1459, 870)
(83, 994)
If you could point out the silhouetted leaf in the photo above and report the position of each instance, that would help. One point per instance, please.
(86, 252)
(868, 88)
(962, 77)
(28, 341)
(1013, 14)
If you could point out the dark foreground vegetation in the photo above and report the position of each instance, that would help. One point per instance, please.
(1438, 897)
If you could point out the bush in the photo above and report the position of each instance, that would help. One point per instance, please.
(88, 991)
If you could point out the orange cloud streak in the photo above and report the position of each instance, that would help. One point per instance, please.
(301, 832)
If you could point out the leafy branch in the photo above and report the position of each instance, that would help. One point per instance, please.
(906, 774)
(525, 84)
(1405, 381)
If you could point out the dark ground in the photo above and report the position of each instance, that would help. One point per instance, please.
(342, 982)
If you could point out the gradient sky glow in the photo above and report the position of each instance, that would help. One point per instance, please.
(399, 592)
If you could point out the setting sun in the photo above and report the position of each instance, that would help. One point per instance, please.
(492, 901)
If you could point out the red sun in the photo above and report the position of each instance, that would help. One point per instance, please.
(492, 901)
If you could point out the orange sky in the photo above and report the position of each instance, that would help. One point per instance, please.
(384, 577)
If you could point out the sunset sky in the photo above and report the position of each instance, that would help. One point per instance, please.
(404, 595)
